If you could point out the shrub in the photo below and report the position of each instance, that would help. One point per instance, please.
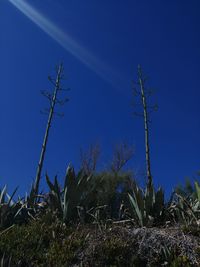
(43, 242)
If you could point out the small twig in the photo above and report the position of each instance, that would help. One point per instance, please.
(123, 221)
(6, 230)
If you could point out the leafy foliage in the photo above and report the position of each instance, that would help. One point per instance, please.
(111, 190)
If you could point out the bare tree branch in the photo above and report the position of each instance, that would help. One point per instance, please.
(90, 158)
(122, 154)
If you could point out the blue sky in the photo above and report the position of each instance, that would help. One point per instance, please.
(100, 43)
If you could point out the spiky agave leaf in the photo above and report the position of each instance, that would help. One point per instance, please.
(8, 209)
(149, 199)
(75, 188)
(185, 210)
(197, 187)
(137, 209)
(55, 195)
(148, 205)
(10, 198)
(159, 203)
(65, 205)
(5, 261)
(2, 195)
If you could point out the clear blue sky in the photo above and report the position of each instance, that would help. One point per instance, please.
(100, 43)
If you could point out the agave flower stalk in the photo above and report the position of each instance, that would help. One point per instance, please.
(143, 93)
(53, 101)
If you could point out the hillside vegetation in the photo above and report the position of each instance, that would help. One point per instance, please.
(88, 221)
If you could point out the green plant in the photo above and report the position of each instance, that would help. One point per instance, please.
(8, 208)
(5, 261)
(74, 194)
(42, 242)
(147, 206)
(187, 190)
(113, 251)
(110, 190)
(169, 257)
(186, 208)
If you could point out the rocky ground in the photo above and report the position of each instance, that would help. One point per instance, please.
(42, 244)
(129, 246)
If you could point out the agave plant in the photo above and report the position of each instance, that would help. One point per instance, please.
(186, 209)
(147, 206)
(74, 195)
(5, 262)
(8, 208)
(17, 211)
(187, 190)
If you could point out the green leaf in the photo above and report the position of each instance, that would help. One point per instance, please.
(2, 195)
(134, 205)
(10, 201)
(197, 187)
(51, 186)
(149, 197)
(159, 202)
(56, 186)
(65, 205)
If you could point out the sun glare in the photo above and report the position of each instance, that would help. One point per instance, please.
(66, 41)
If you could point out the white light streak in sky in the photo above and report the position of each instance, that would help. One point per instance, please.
(66, 41)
